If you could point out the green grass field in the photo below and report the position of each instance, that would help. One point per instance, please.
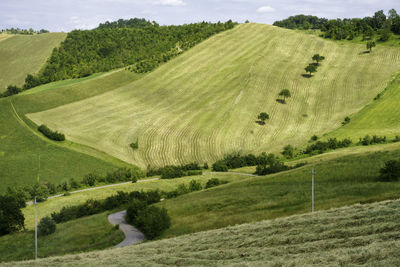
(341, 179)
(381, 117)
(21, 144)
(24, 54)
(350, 236)
(204, 103)
(85, 234)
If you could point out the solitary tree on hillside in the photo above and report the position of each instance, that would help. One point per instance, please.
(285, 93)
(317, 58)
(370, 45)
(263, 116)
(311, 69)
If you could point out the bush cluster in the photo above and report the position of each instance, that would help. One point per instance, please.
(56, 136)
(151, 220)
(368, 140)
(270, 164)
(184, 189)
(47, 226)
(44, 189)
(91, 206)
(170, 171)
(11, 216)
(320, 146)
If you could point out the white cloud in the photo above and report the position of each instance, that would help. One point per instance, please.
(170, 2)
(265, 9)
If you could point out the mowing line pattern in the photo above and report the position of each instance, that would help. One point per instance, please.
(204, 103)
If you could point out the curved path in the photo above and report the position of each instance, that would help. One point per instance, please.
(132, 235)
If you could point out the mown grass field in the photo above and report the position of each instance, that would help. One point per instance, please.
(21, 144)
(24, 54)
(380, 117)
(204, 103)
(85, 234)
(360, 234)
(340, 180)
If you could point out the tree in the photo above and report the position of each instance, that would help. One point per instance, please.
(311, 69)
(391, 171)
(285, 93)
(317, 58)
(288, 151)
(46, 226)
(11, 217)
(263, 116)
(370, 45)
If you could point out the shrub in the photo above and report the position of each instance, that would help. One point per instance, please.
(11, 216)
(56, 136)
(346, 120)
(74, 184)
(288, 152)
(205, 166)
(135, 145)
(396, 139)
(152, 221)
(368, 140)
(90, 179)
(391, 171)
(220, 166)
(47, 226)
(213, 182)
(314, 138)
(195, 186)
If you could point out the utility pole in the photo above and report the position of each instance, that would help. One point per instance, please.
(312, 189)
(35, 229)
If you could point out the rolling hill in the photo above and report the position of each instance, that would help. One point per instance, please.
(24, 54)
(21, 144)
(360, 234)
(204, 104)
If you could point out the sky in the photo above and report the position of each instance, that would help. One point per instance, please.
(66, 15)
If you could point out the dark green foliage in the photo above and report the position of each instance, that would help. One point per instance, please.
(314, 138)
(235, 160)
(152, 221)
(288, 152)
(24, 31)
(129, 23)
(90, 179)
(311, 69)
(205, 166)
(270, 164)
(56, 136)
(40, 191)
(391, 171)
(136, 43)
(346, 120)
(47, 226)
(195, 186)
(321, 147)
(11, 217)
(119, 175)
(90, 207)
(214, 182)
(339, 29)
(370, 45)
(170, 171)
(220, 166)
(11, 90)
(368, 140)
(135, 145)
(285, 93)
(263, 116)
(396, 139)
(318, 58)
(74, 185)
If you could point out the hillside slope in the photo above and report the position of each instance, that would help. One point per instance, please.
(381, 117)
(360, 234)
(204, 103)
(21, 144)
(25, 54)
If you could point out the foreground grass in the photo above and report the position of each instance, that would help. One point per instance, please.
(85, 234)
(24, 54)
(361, 234)
(204, 103)
(21, 144)
(339, 181)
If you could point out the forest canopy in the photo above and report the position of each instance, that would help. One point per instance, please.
(380, 24)
(138, 43)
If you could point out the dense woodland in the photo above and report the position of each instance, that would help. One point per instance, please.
(23, 31)
(380, 25)
(137, 43)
